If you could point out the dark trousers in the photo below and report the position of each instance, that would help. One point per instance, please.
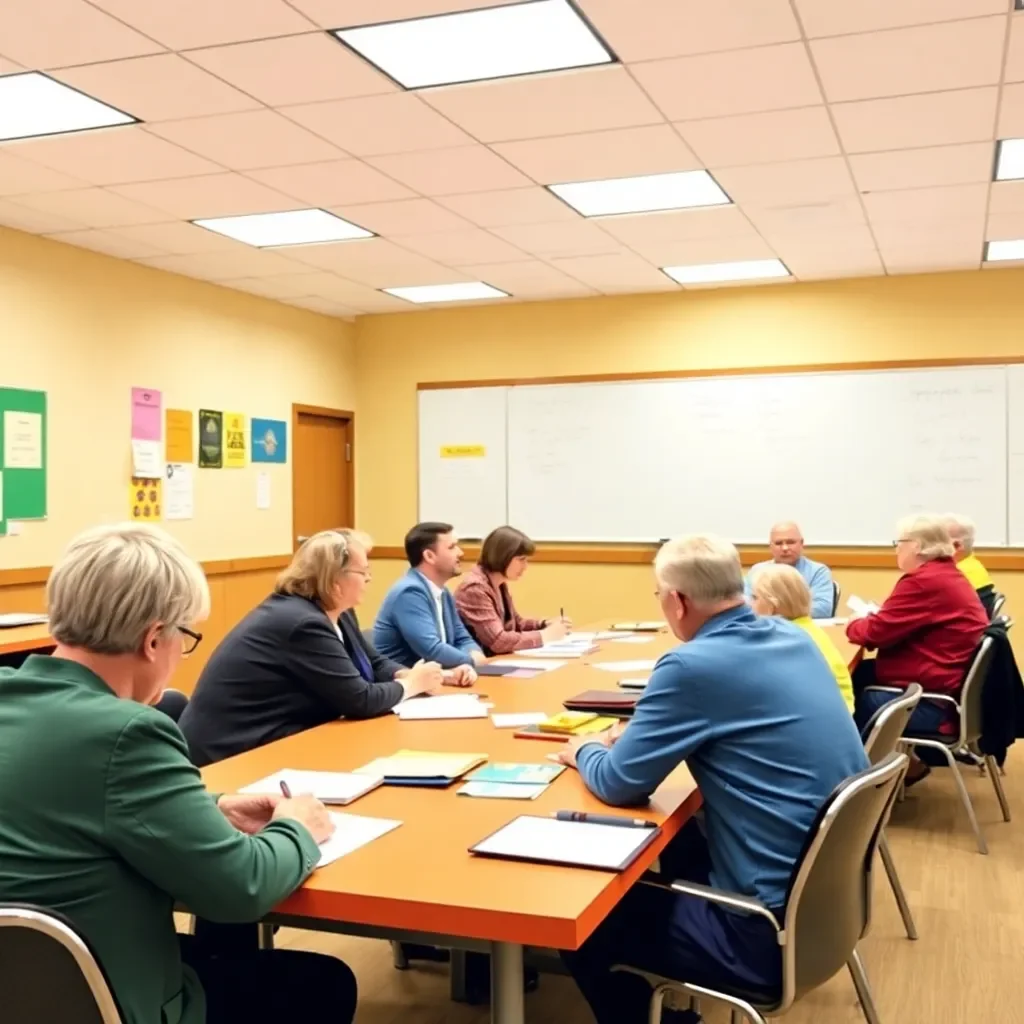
(270, 986)
(928, 716)
(675, 935)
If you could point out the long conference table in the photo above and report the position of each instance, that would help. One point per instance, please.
(419, 883)
(20, 641)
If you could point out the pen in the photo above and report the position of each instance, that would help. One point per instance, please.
(561, 613)
(284, 789)
(604, 819)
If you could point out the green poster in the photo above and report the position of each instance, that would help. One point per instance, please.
(211, 439)
(22, 455)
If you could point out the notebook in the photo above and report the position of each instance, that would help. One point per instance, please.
(435, 769)
(517, 719)
(612, 702)
(514, 773)
(639, 627)
(350, 832)
(592, 727)
(454, 705)
(11, 620)
(567, 722)
(337, 788)
(577, 843)
(502, 790)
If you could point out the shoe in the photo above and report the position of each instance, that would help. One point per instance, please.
(908, 782)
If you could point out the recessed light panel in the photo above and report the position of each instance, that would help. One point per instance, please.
(461, 292)
(1008, 250)
(648, 193)
(1010, 160)
(715, 273)
(471, 46)
(33, 104)
(291, 227)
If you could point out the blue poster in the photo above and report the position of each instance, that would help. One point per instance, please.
(269, 440)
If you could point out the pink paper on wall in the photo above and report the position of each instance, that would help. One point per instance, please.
(145, 414)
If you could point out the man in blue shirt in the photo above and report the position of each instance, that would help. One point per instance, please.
(418, 619)
(787, 546)
(751, 706)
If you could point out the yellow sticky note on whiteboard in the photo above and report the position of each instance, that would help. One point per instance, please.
(463, 451)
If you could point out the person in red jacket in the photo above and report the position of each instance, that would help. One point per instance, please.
(926, 631)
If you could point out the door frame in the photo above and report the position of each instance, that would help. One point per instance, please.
(349, 419)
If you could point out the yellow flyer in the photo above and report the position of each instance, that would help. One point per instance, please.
(235, 456)
(144, 499)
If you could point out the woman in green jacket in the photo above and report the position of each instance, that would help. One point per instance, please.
(106, 820)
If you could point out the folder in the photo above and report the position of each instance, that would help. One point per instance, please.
(605, 702)
(601, 723)
(517, 774)
(433, 769)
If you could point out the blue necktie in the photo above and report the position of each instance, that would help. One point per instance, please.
(358, 656)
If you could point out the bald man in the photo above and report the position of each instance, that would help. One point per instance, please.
(787, 546)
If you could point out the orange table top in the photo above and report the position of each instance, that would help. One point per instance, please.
(25, 638)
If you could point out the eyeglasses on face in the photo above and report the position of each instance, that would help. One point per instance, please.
(365, 573)
(902, 540)
(190, 640)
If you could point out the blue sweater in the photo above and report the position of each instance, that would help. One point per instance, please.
(753, 709)
(406, 628)
(816, 575)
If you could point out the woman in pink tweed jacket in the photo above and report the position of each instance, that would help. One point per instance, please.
(485, 604)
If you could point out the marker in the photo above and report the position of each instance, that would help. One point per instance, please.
(604, 819)
(284, 789)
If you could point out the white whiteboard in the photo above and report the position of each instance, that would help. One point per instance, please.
(845, 453)
(1015, 451)
(470, 493)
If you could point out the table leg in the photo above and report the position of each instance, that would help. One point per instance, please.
(457, 976)
(507, 1004)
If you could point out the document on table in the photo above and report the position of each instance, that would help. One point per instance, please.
(10, 620)
(581, 843)
(455, 705)
(543, 665)
(859, 606)
(633, 640)
(832, 621)
(556, 651)
(503, 790)
(627, 666)
(328, 787)
(350, 832)
(518, 720)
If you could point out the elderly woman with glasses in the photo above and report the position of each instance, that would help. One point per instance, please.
(299, 660)
(106, 820)
(926, 631)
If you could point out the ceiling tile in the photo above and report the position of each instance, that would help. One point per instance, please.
(71, 32)
(211, 195)
(106, 242)
(841, 256)
(740, 82)
(334, 183)
(1014, 71)
(916, 168)
(930, 258)
(113, 156)
(678, 226)
(828, 18)
(187, 23)
(178, 238)
(158, 88)
(616, 273)
(813, 224)
(93, 208)
(8, 67)
(1011, 113)
(620, 153)
(665, 253)
(294, 69)
(18, 176)
(344, 13)
(1007, 197)
(36, 222)
(793, 183)
(448, 172)
(415, 216)
(762, 138)
(473, 245)
(399, 123)
(510, 206)
(527, 279)
(947, 202)
(929, 58)
(223, 266)
(249, 140)
(937, 119)
(375, 262)
(649, 29)
(534, 106)
(564, 238)
(325, 285)
(943, 232)
(275, 286)
(1005, 225)
(324, 306)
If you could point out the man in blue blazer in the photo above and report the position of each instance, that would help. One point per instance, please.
(418, 620)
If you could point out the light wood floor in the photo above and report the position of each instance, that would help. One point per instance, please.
(966, 968)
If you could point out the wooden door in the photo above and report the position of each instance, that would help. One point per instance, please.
(322, 470)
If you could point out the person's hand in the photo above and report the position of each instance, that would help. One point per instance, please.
(461, 675)
(249, 813)
(556, 630)
(614, 734)
(307, 811)
(478, 656)
(567, 755)
(423, 677)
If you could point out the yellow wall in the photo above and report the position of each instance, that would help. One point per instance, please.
(86, 328)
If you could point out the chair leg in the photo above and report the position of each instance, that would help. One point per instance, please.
(736, 1017)
(657, 1002)
(997, 785)
(965, 799)
(266, 936)
(897, 888)
(398, 957)
(860, 983)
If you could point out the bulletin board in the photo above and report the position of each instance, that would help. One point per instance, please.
(23, 441)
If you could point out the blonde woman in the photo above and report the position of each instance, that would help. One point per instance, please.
(106, 820)
(299, 659)
(780, 590)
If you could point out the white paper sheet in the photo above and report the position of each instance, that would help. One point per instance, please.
(645, 625)
(350, 832)
(263, 491)
(179, 491)
(542, 664)
(147, 459)
(627, 666)
(833, 621)
(456, 705)
(859, 606)
(634, 640)
(339, 788)
(518, 720)
(503, 790)
(23, 440)
(554, 651)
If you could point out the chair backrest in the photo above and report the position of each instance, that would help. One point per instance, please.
(837, 592)
(971, 724)
(997, 605)
(829, 904)
(48, 972)
(368, 635)
(886, 726)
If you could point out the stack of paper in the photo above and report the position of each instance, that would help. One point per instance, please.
(559, 650)
(455, 705)
(541, 665)
(10, 620)
(652, 626)
(422, 767)
(859, 606)
(339, 788)
(516, 720)
(633, 640)
(511, 781)
(626, 666)
(350, 832)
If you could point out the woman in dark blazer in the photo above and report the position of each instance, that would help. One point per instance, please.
(298, 659)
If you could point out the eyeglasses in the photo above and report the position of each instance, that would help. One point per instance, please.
(365, 573)
(901, 540)
(190, 640)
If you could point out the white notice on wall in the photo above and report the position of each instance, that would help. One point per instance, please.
(263, 490)
(23, 440)
(147, 459)
(179, 492)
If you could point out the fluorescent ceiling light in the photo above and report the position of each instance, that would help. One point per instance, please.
(460, 292)
(1008, 250)
(470, 46)
(680, 190)
(292, 227)
(1010, 159)
(33, 104)
(742, 270)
